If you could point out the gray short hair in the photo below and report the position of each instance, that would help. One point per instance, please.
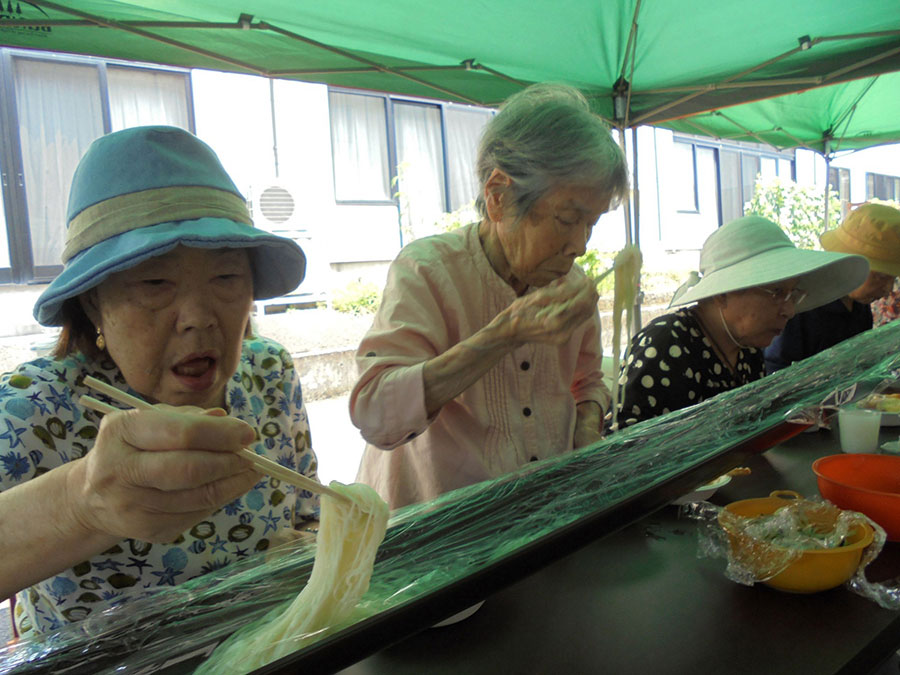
(544, 136)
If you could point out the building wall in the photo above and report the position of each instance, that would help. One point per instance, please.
(277, 132)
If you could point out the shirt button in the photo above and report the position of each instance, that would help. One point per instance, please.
(526, 412)
(525, 365)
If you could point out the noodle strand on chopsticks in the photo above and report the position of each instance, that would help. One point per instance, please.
(627, 267)
(350, 532)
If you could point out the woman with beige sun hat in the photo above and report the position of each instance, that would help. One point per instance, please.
(752, 280)
(873, 231)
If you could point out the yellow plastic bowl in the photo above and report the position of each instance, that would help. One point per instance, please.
(815, 570)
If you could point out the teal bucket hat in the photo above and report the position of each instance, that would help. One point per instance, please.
(139, 193)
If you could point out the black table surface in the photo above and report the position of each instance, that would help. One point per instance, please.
(642, 601)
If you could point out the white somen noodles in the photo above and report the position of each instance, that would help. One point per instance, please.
(627, 266)
(350, 532)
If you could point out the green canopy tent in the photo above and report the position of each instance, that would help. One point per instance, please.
(848, 116)
(642, 61)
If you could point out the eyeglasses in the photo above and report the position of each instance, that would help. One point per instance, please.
(780, 296)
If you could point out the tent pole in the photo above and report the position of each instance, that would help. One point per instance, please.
(274, 133)
(827, 190)
(627, 205)
(826, 147)
(636, 226)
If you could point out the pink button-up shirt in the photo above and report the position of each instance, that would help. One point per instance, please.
(441, 290)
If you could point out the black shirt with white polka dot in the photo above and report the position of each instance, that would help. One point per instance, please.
(672, 365)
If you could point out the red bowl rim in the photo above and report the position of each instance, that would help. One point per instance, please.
(870, 491)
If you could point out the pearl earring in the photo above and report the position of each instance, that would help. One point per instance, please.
(100, 341)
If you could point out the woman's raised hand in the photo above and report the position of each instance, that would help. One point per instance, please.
(550, 314)
(154, 473)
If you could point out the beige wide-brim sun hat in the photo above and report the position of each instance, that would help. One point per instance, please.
(873, 231)
(754, 251)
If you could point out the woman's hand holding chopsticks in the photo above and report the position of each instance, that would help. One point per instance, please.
(152, 474)
(261, 463)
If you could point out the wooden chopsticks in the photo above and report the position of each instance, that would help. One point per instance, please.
(264, 464)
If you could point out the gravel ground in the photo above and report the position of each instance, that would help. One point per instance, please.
(312, 330)
(300, 331)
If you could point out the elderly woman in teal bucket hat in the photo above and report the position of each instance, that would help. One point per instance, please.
(162, 264)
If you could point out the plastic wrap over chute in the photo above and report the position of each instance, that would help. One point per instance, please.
(432, 545)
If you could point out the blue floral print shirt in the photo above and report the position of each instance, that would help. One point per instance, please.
(42, 427)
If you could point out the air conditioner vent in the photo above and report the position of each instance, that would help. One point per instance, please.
(276, 204)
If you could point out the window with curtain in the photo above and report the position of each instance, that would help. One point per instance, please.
(879, 186)
(839, 182)
(685, 175)
(738, 165)
(138, 97)
(768, 167)
(420, 166)
(5, 261)
(730, 185)
(750, 169)
(464, 127)
(61, 105)
(785, 169)
(60, 113)
(359, 146)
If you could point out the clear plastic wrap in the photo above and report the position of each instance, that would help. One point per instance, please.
(432, 545)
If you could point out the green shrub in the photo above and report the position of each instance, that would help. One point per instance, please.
(358, 297)
(455, 219)
(662, 283)
(594, 263)
(798, 209)
(656, 284)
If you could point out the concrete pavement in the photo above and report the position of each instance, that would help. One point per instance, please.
(336, 441)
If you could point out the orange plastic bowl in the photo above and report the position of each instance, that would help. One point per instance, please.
(815, 570)
(866, 483)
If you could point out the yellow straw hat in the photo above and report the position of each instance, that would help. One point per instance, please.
(873, 231)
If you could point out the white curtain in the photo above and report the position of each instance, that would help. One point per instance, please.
(685, 177)
(420, 166)
(768, 168)
(359, 147)
(60, 114)
(4, 241)
(786, 169)
(730, 185)
(464, 127)
(138, 97)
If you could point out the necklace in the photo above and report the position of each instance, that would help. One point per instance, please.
(728, 332)
(715, 345)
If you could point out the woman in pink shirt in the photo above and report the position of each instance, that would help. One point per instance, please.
(485, 353)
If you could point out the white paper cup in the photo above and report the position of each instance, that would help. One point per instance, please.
(859, 429)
